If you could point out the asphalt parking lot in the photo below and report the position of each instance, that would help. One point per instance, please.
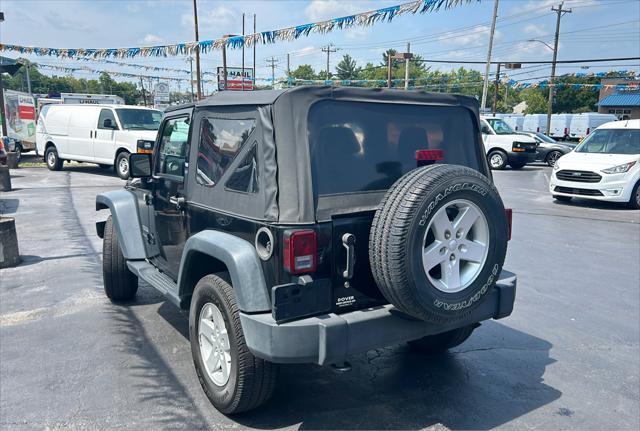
(568, 357)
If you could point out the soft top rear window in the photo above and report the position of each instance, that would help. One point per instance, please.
(366, 147)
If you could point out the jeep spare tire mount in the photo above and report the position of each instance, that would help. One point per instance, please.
(434, 252)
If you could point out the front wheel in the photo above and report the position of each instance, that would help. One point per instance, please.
(122, 165)
(120, 284)
(54, 163)
(232, 378)
(18, 150)
(440, 343)
(634, 200)
(497, 159)
(553, 157)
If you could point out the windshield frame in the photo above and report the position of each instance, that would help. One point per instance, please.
(587, 141)
(125, 126)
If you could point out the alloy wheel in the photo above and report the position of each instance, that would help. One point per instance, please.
(213, 339)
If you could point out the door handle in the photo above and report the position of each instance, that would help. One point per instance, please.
(178, 201)
(349, 242)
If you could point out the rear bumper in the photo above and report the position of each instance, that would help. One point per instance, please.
(521, 157)
(331, 338)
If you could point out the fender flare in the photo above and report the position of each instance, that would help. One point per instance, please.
(124, 215)
(242, 262)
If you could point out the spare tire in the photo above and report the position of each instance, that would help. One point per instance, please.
(438, 242)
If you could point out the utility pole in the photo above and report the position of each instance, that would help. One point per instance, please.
(3, 123)
(288, 70)
(26, 69)
(388, 70)
(495, 92)
(254, 53)
(485, 86)
(406, 68)
(195, 22)
(242, 51)
(224, 68)
(560, 12)
(144, 96)
(328, 50)
(272, 62)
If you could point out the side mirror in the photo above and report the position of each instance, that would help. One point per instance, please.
(108, 124)
(139, 165)
(486, 130)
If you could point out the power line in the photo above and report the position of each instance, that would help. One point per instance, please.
(592, 60)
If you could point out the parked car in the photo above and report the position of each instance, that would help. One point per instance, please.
(585, 123)
(560, 126)
(308, 224)
(506, 147)
(549, 150)
(605, 166)
(515, 121)
(102, 134)
(535, 123)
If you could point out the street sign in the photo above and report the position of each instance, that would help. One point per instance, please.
(161, 92)
(236, 79)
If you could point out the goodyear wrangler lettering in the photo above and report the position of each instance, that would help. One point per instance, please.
(454, 188)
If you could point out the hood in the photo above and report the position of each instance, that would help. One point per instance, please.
(594, 161)
(148, 135)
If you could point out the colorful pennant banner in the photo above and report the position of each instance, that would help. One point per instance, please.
(363, 19)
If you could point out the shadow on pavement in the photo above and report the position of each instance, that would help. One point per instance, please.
(393, 388)
(9, 206)
(588, 203)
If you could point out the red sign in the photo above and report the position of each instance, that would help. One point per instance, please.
(237, 80)
(26, 112)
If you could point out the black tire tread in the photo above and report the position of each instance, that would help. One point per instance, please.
(58, 165)
(120, 284)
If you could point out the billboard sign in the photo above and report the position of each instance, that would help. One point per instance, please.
(237, 80)
(20, 112)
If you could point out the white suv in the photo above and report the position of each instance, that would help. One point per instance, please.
(605, 166)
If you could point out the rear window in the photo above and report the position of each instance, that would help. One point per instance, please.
(366, 147)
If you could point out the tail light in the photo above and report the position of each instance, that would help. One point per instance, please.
(588, 130)
(300, 251)
(428, 157)
(508, 212)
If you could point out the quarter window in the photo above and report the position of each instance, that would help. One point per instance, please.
(172, 153)
(220, 142)
(245, 177)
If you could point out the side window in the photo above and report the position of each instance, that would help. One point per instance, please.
(172, 153)
(245, 177)
(220, 142)
(107, 114)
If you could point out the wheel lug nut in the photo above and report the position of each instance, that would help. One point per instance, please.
(447, 235)
(443, 250)
(452, 257)
(459, 234)
(462, 248)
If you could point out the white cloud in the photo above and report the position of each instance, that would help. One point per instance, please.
(479, 35)
(151, 39)
(320, 10)
(534, 30)
(216, 21)
(358, 33)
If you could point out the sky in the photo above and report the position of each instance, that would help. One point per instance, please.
(594, 29)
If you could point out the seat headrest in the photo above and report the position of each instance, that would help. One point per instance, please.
(412, 139)
(337, 141)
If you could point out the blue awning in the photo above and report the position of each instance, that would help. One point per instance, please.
(629, 99)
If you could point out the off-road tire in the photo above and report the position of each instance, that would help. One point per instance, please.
(116, 166)
(440, 343)
(503, 155)
(562, 198)
(251, 380)
(120, 284)
(634, 200)
(53, 162)
(398, 231)
(517, 165)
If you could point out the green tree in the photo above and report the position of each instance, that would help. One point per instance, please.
(347, 68)
(536, 100)
(304, 71)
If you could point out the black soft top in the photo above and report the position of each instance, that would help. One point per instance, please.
(289, 194)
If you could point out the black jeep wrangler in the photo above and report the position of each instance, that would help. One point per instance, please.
(309, 224)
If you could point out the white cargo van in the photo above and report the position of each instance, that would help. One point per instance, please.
(560, 126)
(587, 122)
(102, 134)
(515, 121)
(504, 146)
(535, 123)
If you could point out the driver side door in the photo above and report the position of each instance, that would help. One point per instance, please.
(168, 221)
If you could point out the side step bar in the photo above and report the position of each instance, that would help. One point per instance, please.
(158, 280)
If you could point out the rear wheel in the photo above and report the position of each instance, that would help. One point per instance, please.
(553, 157)
(497, 159)
(54, 163)
(18, 150)
(232, 378)
(120, 284)
(439, 343)
(562, 198)
(122, 165)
